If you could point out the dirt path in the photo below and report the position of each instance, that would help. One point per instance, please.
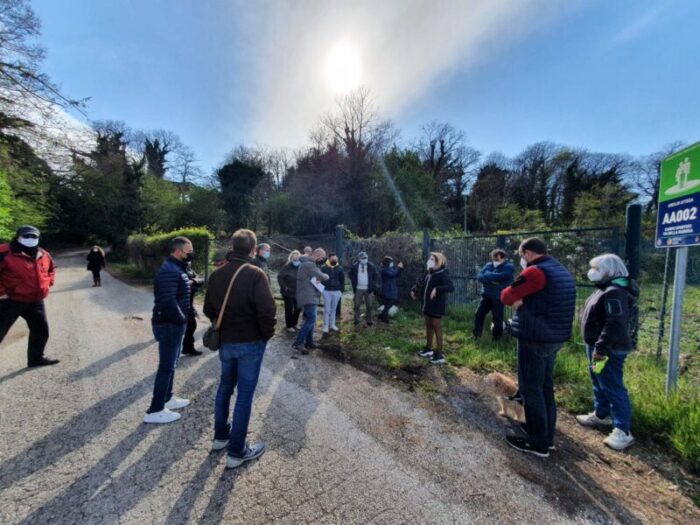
(343, 446)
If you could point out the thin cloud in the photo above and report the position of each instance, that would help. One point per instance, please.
(637, 26)
(404, 47)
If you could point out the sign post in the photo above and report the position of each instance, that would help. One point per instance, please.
(678, 226)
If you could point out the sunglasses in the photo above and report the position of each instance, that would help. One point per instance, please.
(30, 236)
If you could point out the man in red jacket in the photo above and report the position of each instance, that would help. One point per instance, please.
(26, 274)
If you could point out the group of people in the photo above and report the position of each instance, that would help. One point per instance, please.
(542, 297)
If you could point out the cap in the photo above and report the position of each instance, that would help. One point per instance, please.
(362, 255)
(23, 230)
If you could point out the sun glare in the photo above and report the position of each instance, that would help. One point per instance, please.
(343, 68)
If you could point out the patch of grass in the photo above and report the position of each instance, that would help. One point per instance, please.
(129, 272)
(674, 422)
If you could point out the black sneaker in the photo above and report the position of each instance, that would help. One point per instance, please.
(369, 323)
(249, 453)
(426, 352)
(438, 359)
(299, 349)
(522, 444)
(191, 351)
(312, 346)
(43, 361)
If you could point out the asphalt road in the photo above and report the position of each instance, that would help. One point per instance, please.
(343, 446)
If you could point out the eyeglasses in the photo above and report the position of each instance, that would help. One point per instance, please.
(30, 236)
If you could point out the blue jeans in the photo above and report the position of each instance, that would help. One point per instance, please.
(609, 392)
(306, 333)
(536, 382)
(169, 337)
(240, 367)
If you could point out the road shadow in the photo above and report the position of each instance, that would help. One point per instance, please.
(14, 374)
(294, 403)
(99, 366)
(72, 435)
(99, 490)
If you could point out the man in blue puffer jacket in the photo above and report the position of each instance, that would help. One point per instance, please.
(544, 299)
(494, 277)
(171, 289)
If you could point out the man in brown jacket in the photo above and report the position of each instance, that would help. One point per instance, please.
(248, 323)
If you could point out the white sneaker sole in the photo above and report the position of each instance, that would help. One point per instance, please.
(618, 446)
(161, 421)
(237, 462)
(218, 444)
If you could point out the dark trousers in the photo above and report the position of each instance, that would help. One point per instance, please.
(388, 303)
(35, 316)
(494, 306)
(291, 312)
(96, 274)
(536, 383)
(188, 341)
(169, 337)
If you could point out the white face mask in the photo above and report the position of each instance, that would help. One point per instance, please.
(523, 263)
(430, 264)
(595, 275)
(497, 263)
(29, 243)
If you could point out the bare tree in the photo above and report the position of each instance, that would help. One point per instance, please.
(20, 58)
(646, 173)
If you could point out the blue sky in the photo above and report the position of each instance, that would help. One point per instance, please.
(617, 76)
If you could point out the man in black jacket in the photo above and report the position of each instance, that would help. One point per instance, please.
(196, 282)
(171, 289)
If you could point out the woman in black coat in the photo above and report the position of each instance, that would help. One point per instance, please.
(96, 261)
(287, 279)
(432, 290)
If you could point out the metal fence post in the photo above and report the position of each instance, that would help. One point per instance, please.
(206, 261)
(340, 243)
(426, 243)
(501, 241)
(633, 239)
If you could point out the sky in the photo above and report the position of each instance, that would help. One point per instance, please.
(618, 76)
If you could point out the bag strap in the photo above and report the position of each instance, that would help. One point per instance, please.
(228, 292)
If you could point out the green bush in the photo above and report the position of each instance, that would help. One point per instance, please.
(147, 252)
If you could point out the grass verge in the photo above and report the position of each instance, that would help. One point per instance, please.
(673, 422)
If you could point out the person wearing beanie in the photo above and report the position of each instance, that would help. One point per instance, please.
(26, 274)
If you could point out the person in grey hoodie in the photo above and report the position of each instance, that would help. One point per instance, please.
(307, 299)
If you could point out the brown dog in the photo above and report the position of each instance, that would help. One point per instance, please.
(501, 386)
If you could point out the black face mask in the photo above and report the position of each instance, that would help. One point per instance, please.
(189, 257)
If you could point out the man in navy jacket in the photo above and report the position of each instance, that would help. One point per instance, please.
(544, 298)
(171, 308)
(494, 277)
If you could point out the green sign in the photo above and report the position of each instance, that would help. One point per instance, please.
(678, 222)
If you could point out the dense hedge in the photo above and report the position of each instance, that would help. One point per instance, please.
(148, 252)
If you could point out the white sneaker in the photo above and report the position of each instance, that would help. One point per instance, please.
(164, 416)
(335, 328)
(619, 439)
(219, 444)
(292, 330)
(176, 403)
(592, 420)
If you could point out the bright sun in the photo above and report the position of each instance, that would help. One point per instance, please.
(343, 68)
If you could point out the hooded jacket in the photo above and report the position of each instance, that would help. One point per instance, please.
(336, 277)
(609, 318)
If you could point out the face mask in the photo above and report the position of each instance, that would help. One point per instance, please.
(497, 263)
(391, 265)
(595, 275)
(364, 261)
(334, 262)
(296, 264)
(430, 264)
(265, 255)
(189, 257)
(28, 242)
(523, 263)
(95, 250)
